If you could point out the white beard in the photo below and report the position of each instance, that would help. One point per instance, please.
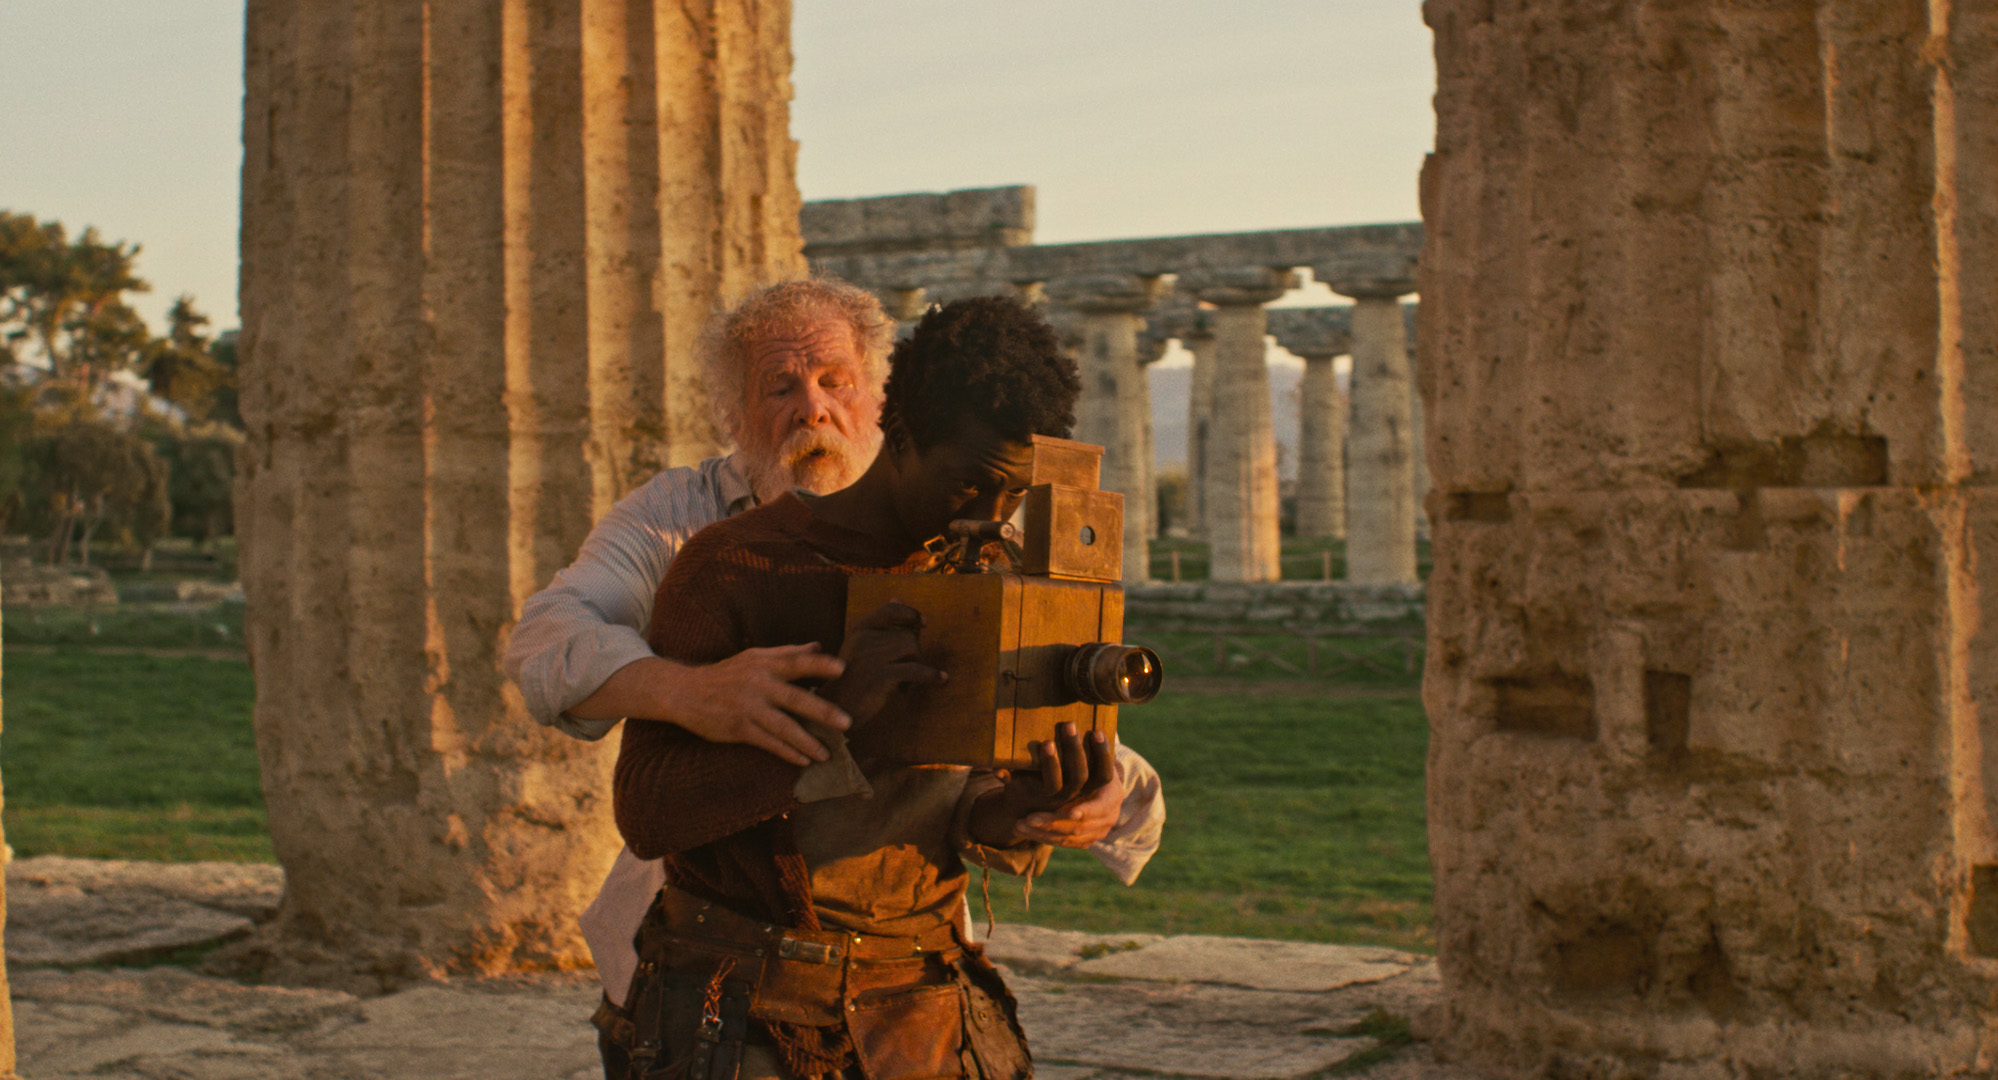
(819, 460)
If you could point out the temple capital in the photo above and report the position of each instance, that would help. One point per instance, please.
(1239, 286)
(1093, 294)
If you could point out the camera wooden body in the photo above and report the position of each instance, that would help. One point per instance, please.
(1006, 637)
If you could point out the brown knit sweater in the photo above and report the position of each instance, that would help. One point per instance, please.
(723, 815)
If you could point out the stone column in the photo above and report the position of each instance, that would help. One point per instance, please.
(1380, 466)
(1321, 452)
(1416, 434)
(1150, 351)
(1241, 506)
(480, 241)
(1116, 398)
(1199, 340)
(905, 305)
(1707, 344)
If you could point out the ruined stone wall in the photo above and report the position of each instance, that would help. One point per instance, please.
(1707, 343)
(479, 242)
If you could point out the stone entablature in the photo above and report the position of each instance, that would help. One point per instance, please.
(974, 218)
(1340, 252)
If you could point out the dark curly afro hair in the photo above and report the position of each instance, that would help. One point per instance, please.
(988, 357)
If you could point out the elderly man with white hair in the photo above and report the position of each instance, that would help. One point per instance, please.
(796, 372)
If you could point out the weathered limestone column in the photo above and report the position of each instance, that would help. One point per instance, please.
(1150, 351)
(1380, 466)
(1116, 396)
(904, 305)
(1709, 311)
(1199, 340)
(1321, 452)
(479, 243)
(1241, 505)
(1416, 432)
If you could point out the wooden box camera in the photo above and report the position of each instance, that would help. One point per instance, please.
(1027, 647)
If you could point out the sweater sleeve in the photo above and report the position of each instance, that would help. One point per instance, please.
(673, 790)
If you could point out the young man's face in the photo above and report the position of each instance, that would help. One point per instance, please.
(811, 413)
(976, 474)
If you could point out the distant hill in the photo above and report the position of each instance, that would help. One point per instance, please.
(1172, 386)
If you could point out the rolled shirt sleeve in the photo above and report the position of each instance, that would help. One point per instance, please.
(1026, 860)
(1140, 821)
(590, 621)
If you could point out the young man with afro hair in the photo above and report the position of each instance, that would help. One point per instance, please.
(813, 922)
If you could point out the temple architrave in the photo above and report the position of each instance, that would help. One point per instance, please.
(479, 243)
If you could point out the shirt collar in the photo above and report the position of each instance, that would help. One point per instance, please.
(736, 494)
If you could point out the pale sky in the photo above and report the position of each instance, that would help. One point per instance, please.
(1131, 117)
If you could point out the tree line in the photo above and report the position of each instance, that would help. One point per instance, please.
(111, 433)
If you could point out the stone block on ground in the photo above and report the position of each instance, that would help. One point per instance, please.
(471, 1029)
(249, 889)
(174, 995)
(1182, 1029)
(72, 912)
(1254, 962)
(63, 925)
(1036, 948)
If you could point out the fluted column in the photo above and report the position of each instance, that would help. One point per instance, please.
(1150, 351)
(1199, 340)
(1115, 396)
(1418, 447)
(1242, 509)
(1321, 452)
(1380, 464)
(480, 241)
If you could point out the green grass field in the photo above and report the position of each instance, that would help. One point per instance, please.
(1286, 816)
(130, 756)
(1295, 810)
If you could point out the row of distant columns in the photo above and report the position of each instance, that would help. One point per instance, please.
(1359, 480)
(1361, 485)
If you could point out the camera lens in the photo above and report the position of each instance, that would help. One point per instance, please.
(1102, 673)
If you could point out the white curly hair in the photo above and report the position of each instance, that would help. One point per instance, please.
(725, 345)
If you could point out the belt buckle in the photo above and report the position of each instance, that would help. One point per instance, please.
(810, 952)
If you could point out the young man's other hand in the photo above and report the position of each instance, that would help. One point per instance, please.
(1072, 798)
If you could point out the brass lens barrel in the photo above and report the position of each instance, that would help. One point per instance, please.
(1105, 673)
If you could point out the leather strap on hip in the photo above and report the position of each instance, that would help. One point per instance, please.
(691, 917)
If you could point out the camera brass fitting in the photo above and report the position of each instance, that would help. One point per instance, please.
(1027, 646)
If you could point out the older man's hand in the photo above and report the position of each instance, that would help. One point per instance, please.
(751, 697)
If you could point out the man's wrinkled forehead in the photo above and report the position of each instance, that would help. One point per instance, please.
(803, 347)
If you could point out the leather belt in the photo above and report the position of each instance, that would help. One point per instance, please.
(691, 917)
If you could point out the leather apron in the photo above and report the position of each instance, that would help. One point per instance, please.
(914, 1008)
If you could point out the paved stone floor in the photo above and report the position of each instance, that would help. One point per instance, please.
(1093, 1005)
